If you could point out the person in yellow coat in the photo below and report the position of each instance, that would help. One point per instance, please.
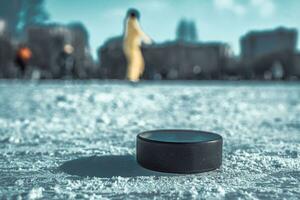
(132, 46)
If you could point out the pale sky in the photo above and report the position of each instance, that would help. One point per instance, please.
(216, 20)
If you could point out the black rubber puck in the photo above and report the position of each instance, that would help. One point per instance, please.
(179, 151)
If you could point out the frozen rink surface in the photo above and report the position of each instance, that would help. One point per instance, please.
(63, 140)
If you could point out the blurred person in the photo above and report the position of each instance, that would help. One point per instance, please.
(66, 61)
(132, 45)
(23, 57)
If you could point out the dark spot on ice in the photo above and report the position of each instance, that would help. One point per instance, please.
(267, 124)
(292, 154)
(276, 164)
(284, 174)
(185, 97)
(107, 167)
(91, 99)
(151, 96)
(277, 119)
(61, 98)
(295, 125)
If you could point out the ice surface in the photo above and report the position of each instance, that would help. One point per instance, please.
(94, 124)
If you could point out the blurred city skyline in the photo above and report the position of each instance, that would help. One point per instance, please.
(216, 20)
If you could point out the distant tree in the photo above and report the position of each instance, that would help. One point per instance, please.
(186, 31)
(193, 31)
(182, 30)
(32, 13)
(20, 14)
(81, 30)
(9, 12)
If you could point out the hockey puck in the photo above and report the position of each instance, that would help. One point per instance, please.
(179, 151)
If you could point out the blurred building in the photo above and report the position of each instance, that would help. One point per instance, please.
(112, 59)
(269, 54)
(178, 60)
(297, 65)
(60, 51)
(172, 60)
(7, 53)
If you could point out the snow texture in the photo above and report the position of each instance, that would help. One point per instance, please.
(66, 140)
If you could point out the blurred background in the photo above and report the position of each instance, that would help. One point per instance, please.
(194, 40)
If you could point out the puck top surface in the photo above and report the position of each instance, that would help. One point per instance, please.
(179, 136)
